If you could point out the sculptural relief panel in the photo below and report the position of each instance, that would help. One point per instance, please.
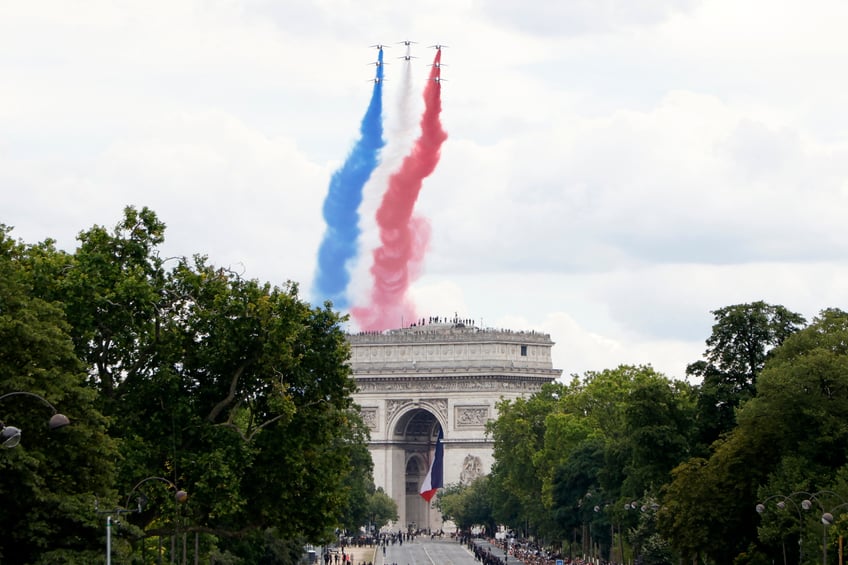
(392, 406)
(472, 468)
(471, 416)
(441, 406)
(445, 385)
(369, 417)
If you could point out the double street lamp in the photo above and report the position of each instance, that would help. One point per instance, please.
(10, 436)
(806, 504)
(180, 497)
(616, 519)
(761, 508)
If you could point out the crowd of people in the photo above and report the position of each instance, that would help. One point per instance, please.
(488, 551)
(520, 552)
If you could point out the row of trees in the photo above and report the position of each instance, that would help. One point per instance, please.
(239, 393)
(626, 462)
(233, 390)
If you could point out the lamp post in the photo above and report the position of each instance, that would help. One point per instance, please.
(827, 517)
(180, 497)
(613, 520)
(761, 508)
(10, 436)
(648, 509)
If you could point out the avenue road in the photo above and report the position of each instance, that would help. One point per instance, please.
(426, 551)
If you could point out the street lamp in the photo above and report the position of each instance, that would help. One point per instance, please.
(827, 518)
(180, 497)
(10, 436)
(613, 520)
(761, 508)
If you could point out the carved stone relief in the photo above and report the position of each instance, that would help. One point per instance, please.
(472, 468)
(440, 404)
(447, 386)
(471, 416)
(392, 406)
(369, 416)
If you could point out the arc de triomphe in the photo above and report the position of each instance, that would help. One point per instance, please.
(440, 375)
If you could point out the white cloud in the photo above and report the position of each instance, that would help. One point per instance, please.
(614, 171)
(581, 16)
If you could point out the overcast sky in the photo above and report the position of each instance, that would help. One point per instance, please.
(615, 170)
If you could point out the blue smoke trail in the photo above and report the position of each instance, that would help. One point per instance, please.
(341, 207)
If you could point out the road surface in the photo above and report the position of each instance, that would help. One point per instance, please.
(426, 551)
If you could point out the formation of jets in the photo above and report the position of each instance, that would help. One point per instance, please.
(407, 57)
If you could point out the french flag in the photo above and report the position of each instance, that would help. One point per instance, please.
(435, 476)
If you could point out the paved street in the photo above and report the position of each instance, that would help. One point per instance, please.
(424, 551)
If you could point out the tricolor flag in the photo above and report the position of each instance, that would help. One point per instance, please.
(435, 476)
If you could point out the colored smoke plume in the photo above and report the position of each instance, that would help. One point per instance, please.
(341, 206)
(404, 238)
(401, 128)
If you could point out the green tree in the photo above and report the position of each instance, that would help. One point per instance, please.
(610, 438)
(742, 339)
(235, 390)
(113, 295)
(381, 509)
(359, 485)
(49, 482)
(468, 505)
(790, 435)
(659, 430)
(519, 438)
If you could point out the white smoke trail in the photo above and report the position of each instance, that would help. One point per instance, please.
(401, 130)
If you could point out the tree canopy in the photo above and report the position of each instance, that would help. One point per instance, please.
(49, 482)
(236, 391)
(179, 374)
(625, 463)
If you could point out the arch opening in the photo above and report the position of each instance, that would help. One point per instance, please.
(417, 432)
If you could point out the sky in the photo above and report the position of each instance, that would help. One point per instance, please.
(614, 171)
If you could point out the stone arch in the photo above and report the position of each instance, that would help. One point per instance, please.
(456, 372)
(415, 431)
(399, 423)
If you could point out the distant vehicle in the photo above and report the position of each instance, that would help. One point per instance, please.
(438, 47)
(376, 79)
(408, 57)
(309, 555)
(407, 42)
(379, 46)
(437, 65)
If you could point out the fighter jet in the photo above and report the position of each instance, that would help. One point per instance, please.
(407, 42)
(408, 57)
(437, 46)
(438, 79)
(376, 80)
(437, 65)
(377, 63)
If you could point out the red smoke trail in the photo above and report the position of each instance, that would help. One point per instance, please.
(404, 238)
